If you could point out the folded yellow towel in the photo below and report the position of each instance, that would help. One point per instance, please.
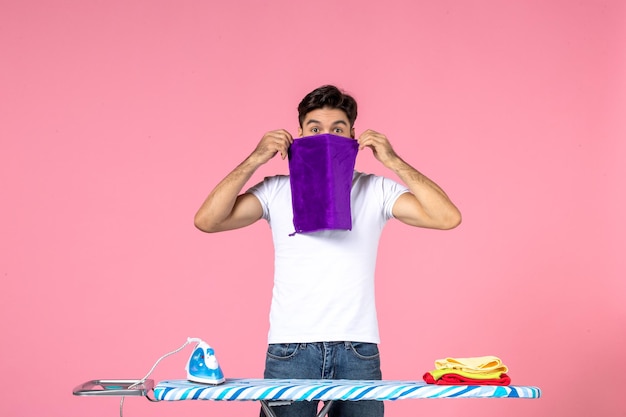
(480, 364)
(438, 373)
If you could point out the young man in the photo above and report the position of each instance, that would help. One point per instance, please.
(323, 317)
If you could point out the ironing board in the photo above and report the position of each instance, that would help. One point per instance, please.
(276, 392)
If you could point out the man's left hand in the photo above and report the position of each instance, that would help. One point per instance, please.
(380, 146)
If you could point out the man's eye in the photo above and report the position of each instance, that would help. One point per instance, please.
(338, 130)
(315, 130)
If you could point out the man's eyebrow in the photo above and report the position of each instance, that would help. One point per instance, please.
(337, 122)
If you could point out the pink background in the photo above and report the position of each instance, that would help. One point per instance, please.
(118, 117)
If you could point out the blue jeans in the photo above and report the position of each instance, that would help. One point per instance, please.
(325, 360)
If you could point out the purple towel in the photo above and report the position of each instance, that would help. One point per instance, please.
(320, 170)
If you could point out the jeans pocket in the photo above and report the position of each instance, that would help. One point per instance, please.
(282, 351)
(365, 350)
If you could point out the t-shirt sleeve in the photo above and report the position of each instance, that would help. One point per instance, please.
(262, 192)
(391, 191)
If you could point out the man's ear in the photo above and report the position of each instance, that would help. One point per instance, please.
(352, 133)
(300, 131)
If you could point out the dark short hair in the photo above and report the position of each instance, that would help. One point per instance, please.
(327, 96)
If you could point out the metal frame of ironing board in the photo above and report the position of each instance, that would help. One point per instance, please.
(277, 392)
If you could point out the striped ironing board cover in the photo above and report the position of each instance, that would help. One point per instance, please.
(324, 390)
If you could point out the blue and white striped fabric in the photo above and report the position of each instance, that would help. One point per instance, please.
(323, 390)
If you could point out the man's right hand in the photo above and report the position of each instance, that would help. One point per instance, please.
(272, 143)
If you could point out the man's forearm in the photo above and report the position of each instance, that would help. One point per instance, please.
(434, 202)
(220, 202)
(417, 182)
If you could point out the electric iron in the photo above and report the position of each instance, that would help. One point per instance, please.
(202, 366)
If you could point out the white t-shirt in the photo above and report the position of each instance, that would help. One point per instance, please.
(324, 281)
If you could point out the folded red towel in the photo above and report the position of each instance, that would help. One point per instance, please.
(456, 379)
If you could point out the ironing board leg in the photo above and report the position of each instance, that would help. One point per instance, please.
(325, 409)
(267, 409)
(270, 413)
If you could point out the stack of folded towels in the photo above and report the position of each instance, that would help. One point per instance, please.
(482, 370)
